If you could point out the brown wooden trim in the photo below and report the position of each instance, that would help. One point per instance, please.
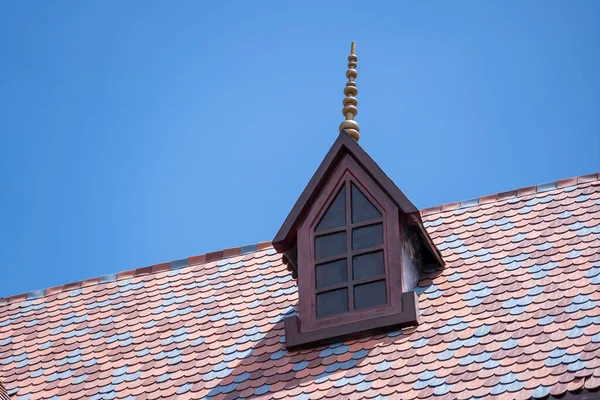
(330, 231)
(379, 247)
(349, 226)
(344, 144)
(351, 283)
(348, 187)
(306, 235)
(348, 169)
(330, 259)
(350, 254)
(296, 339)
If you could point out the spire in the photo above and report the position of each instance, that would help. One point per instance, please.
(350, 91)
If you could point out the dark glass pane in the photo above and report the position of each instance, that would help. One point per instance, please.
(367, 265)
(334, 302)
(367, 236)
(331, 274)
(335, 216)
(330, 245)
(362, 209)
(369, 295)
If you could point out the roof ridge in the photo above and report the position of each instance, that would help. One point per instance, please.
(511, 194)
(152, 269)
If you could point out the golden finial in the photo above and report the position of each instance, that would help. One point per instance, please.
(350, 91)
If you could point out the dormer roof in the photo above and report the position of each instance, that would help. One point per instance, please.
(344, 144)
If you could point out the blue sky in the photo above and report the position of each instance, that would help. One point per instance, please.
(135, 133)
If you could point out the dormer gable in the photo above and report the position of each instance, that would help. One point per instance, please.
(356, 244)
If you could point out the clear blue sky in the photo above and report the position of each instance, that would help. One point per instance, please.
(135, 133)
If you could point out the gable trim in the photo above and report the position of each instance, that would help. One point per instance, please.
(343, 144)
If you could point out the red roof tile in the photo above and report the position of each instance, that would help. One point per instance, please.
(513, 314)
(3, 394)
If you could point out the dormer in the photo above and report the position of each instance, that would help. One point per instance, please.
(354, 242)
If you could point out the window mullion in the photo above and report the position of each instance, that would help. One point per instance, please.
(349, 246)
(367, 223)
(373, 249)
(350, 291)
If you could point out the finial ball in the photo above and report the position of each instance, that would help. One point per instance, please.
(350, 126)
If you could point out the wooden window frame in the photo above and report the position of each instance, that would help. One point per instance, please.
(346, 171)
(347, 181)
(403, 310)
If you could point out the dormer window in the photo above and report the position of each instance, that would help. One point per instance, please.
(348, 255)
(350, 273)
(354, 242)
(344, 241)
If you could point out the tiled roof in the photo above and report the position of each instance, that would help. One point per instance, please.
(3, 394)
(514, 314)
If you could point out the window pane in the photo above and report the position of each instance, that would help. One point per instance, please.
(369, 295)
(335, 216)
(367, 265)
(367, 236)
(331, 274)
(334, 302)
(330, 245)
(362, 209)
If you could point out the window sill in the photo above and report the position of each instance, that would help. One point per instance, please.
(295, 339)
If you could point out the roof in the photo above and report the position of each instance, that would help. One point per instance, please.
(3, 394)
(513, 313)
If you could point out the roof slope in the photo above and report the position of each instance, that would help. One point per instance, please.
(3, 394)
(514, 313)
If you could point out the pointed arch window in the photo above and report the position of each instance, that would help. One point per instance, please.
(349, 254)
(352, 241)
(348, 257)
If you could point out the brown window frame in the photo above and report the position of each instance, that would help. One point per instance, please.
(346, 171)
(349, 255)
